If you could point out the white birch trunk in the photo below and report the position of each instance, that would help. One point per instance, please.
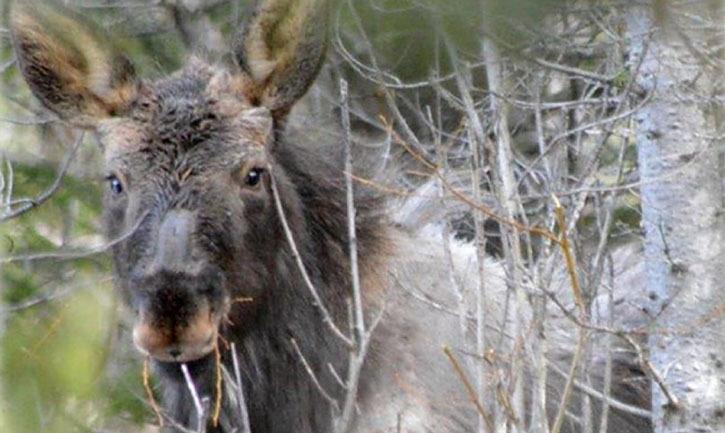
(682, 218)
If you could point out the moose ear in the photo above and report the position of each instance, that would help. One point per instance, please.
(69, 63)
(280, 49)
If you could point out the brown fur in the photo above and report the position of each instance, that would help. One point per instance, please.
(74, 70)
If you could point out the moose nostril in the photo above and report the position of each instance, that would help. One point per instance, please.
(179, 344)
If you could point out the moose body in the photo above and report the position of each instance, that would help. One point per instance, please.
(195, 164)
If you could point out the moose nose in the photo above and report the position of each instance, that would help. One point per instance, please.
(186, 344)
(173, 246)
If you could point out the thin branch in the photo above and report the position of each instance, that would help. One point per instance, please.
(470, 389)
(362, 336)
(217, 385)
(353, 377)
(573, 71)
(72, 255)
(569, 257)
(326, 395)
(435, 171)
(326, 317)
(642, 359)
(244, 414)
(194, 397)
(582, 332)
(652, 372)
(389, 97)
(150, 392)
(351, 213)
(606, 399)
(32, 203)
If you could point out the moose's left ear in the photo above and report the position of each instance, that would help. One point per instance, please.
(280, 50)
(69, 63)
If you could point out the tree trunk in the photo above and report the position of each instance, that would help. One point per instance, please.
(682, 218)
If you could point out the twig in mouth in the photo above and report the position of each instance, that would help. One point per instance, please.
(150, 393)
(218, 397)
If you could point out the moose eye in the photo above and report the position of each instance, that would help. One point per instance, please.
(254, 176)
(114, 184)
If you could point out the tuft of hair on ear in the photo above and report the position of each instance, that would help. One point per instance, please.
(280, 49)
(70, 64)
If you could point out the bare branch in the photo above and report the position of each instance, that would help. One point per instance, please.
(244, 414)
(333, 402)
(10, 213)
(301, 265)
(195, 398)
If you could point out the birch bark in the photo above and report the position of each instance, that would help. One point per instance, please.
(682, 218)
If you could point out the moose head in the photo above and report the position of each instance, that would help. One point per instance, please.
(187, 160)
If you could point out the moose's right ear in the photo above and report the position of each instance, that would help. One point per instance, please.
(280, 49)
(69, 63)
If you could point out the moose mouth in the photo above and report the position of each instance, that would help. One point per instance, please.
(180, 353)
(178, 313)
(197, 339)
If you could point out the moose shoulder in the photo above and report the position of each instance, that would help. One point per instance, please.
(197, 164)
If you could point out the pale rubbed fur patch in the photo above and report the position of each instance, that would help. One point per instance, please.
(231, 102)
(408, 383)
(229, 93)
(120, 136)
(255, 126)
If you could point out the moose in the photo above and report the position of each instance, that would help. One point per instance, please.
(222, 222)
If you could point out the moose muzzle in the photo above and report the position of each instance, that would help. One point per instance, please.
(181, 299)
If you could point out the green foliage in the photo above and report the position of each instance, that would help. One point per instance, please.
(622, 79)
(56, 345)
(510, 22)
(406, 38)
(123, 396)
(628, 216)
(54, 360)
(19, 284)
(155, 55)
(406, 35)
